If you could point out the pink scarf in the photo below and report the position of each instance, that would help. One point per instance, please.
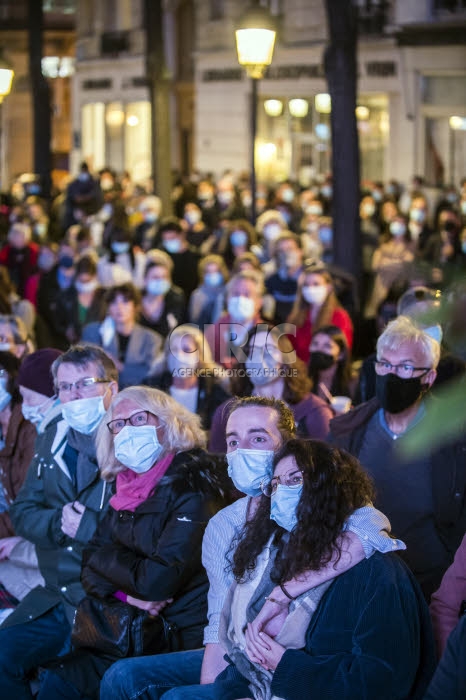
(133, 489)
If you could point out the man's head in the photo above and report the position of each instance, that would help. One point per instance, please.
(244, 293)
(173, 235)
(288, 252)
(406, 363)
(85, 378)
(256, 428)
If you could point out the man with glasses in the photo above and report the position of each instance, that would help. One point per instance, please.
(58, 509)
(423, 496)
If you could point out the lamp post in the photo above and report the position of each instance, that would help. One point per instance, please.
(255, 40)
(6, 79)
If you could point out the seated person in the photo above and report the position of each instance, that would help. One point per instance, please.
(19, 570)
(230, 337)
(147, 550)
(171, 237)
(273, 370)
(330, 364)
(207, 301)
(134, 349)
(332, 640)
(257, 427)
(163, 304)
(83, 302)
(316, 305)
(191, 377)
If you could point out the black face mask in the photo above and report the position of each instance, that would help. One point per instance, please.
(320, 360)
(396, 394)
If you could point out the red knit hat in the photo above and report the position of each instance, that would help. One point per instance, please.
(35, 373)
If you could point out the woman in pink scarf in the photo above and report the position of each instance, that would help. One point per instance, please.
(147, 552)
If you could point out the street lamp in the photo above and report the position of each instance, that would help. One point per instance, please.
(6, 77)
(255, 40)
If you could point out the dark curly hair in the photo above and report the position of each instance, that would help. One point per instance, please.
(334, 486)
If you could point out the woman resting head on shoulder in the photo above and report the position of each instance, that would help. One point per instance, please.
(331, 636)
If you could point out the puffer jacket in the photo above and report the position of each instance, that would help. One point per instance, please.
(154, 553)
(37, 512)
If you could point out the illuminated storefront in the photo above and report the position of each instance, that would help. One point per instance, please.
(117, 135)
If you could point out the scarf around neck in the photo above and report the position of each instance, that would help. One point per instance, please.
(133, 489)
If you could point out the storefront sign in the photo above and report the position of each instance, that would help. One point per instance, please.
(379, 69)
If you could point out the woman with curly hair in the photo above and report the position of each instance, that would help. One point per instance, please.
(145, 556)
(364, 633)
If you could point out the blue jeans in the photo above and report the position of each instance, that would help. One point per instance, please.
(26, 646)
(174, 676)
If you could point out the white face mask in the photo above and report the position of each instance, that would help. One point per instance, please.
(86, 287)
(84, 415)
(241, 308)
(272, 231)
(137, 448)
(35, 414)
(315, 295)
(248, 468)
(265, 372)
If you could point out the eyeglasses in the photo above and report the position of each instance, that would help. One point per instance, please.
(404, 371)
(293, 480)
(83, 385)
(136, 420)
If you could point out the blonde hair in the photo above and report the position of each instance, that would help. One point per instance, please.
(182, 429)
(401, 331)
(212, 259)
(205, 353)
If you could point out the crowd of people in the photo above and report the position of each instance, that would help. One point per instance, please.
(207, 481)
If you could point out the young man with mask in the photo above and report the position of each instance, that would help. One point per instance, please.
(229, 338)
(57, 509)
(423, 496)
(256, 429)
(283, 284)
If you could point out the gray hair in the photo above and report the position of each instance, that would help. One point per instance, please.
(83, 355)
(182, 429)
(402, 330)
(253, 275)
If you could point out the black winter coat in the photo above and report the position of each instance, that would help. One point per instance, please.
(154, 553)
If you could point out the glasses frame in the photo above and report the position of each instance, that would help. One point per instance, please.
(269, 486)
(90, 382)
(129, 420)
(424, 370)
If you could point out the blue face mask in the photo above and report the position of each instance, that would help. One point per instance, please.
(325, 235)
(248, 468)
(157, 287)
(435, 332)
(213, 279)
(119, 247)
(172, 245)
(238, 238)
(284, 503)
(64, 281)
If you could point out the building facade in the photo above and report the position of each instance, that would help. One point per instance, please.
(412, 80)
